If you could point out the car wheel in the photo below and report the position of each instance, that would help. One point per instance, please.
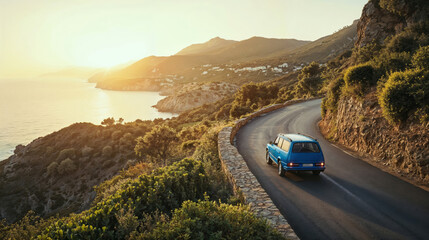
(316, 172)
(281, 170)
(268, 159)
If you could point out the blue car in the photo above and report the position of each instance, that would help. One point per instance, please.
(295, 152)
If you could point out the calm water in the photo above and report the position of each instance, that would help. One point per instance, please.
(35, 108)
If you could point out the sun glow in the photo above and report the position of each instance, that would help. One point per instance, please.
(40, 36)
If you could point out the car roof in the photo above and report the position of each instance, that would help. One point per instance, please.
(293, 137)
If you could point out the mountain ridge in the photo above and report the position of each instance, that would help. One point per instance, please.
(211, 45)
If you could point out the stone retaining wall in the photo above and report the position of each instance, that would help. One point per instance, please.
(245, 184)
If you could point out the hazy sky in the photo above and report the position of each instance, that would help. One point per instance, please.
(37, 36)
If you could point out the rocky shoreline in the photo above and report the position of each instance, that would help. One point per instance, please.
(181, 97)
(192, 95)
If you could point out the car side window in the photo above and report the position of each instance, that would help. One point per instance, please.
(276, 142)
(286, 145)
(280, 143)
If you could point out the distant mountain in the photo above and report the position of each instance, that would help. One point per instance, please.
(323, 48)
(222, 50)
(258, 47)
(213, 44)
(214, 51)
(255, 59)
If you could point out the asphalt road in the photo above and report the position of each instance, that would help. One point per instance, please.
(350, 200)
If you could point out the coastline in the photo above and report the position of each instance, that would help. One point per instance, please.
(75, 101)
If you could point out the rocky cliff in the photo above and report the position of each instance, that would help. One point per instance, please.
(193, 95)
(360, 126)
(384, 18)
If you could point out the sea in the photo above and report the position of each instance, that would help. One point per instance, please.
(32, 108)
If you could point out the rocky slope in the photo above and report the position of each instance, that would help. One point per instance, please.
(380, 20)
(193, 95)
(356, 121)
(360, 126)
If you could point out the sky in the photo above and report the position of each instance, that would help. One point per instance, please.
(48, 35)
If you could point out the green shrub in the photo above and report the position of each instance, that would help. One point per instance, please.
(403, 7)
(421, 58)
(252, 96)
(52, 169)
(209, 220)
(403, 42)
(158, 143)
(310, 81)
(108, 121)
(223, 112)
(207, 153)
(361, 77)
(329, 102)
(66, 166)
(126, 139)
(162, 191)
(107, 151)
(116, 134)
(365, 53)
(66, 153)
(403, 93)
(27, 227)
(237, 111)
(284, 94)
(392, 62)
(127, 222)
(87, 151)
(393, 6)
(189, 145)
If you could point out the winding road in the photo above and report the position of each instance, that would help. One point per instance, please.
(350, 200)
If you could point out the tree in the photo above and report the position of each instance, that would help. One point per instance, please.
(403, 93)
(310, 80)
(52, 168)
(157, 143)
(108, 121)
(66, 166)
(360, 78)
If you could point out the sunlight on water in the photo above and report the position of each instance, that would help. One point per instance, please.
(35, 108)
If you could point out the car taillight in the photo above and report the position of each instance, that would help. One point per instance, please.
(293, 164)
(322, 164)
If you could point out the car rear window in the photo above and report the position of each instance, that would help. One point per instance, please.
(305, 147)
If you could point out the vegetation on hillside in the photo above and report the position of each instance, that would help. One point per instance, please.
(175, 189)
(162, 179)
(396, 70)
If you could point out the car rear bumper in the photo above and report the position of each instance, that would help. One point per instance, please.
(314, 168)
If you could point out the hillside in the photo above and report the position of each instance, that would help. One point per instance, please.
(255, 48)
(256, 59)
(377, 98)
(193, 95)
(180, 67)
(57, 173)
(325, 48)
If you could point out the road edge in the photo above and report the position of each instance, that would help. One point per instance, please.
(244, 183)
(371, 160)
